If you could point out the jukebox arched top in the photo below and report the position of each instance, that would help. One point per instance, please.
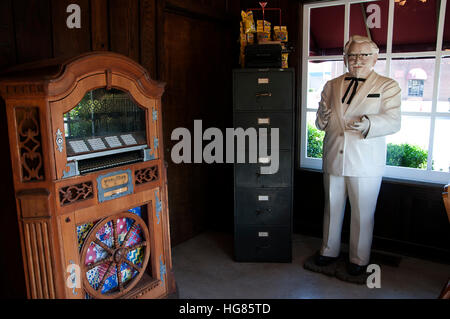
(120, 97)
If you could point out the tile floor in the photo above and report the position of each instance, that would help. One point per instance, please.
(204, 269)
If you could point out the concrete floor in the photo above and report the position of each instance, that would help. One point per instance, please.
(204, 269)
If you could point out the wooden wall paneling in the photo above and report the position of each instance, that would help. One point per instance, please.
(180, 105)
(66, 41)
(99, 25)
(213, 8)
(148, 36)
(233, 8)
(124, 27)
(32, 22)
(196, 64)
(159, 23)
(7, 40)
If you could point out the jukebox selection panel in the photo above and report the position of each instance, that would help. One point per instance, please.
(96, 144)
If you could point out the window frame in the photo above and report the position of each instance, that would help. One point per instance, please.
(394, 172)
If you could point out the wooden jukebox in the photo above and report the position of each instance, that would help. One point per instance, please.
(86, 148)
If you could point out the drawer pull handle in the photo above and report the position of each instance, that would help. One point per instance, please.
(263, 94)
(267, 211)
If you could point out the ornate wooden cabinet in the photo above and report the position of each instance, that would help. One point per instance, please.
(264, 99)
(89, 177)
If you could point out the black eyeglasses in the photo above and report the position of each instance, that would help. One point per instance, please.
(362, 56)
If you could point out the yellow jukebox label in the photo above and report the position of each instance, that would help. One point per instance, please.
(116, 180)
(115, 192)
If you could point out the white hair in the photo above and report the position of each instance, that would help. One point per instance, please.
(361, 39)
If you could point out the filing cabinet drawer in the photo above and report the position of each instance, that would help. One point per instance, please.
(271, 90)
(262, 243)
(263, 206)
(268, 120)
(249, 174)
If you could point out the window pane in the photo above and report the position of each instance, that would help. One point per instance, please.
(380, 67)
(319, 72)
(443, 103)
(409, 146)
(322, 40)
(415, 77)
(446, 39)
(441, 149)
(315, 137)
(370, 19)
(415, 26)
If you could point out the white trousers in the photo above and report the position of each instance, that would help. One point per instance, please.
(363, 194)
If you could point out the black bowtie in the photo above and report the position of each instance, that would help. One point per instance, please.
(354, 83)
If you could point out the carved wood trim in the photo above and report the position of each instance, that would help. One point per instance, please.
(75, 193)
(99, 62)
(146, 175)
(30, 144)
(23, 90)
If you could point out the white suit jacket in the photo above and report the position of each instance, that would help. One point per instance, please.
(348, 153)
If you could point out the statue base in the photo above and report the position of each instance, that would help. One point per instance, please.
(336, 269)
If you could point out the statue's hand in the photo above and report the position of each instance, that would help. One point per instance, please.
(361, 126)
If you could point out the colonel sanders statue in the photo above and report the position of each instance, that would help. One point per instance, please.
(357, 110)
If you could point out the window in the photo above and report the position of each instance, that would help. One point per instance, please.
(414, 41)
(415, 88)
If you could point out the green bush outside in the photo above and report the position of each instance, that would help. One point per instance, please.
(315, 141)
(404, 155)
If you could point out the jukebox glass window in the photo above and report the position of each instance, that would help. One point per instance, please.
(103, 120)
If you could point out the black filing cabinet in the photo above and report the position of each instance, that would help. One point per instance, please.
(263, 99)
